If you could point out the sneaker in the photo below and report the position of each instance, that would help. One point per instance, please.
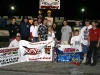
(91, 61)
(87, 63)
(93, 64)
(84, 61)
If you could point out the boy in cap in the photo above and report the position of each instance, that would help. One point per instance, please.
(15, 42)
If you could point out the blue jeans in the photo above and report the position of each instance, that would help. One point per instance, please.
(35, 39)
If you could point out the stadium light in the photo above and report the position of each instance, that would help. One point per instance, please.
(82, 10)
(12, 8)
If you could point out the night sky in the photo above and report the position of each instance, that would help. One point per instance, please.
(70, 9)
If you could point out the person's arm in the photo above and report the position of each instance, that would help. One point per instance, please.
(20, 27)
(31, 37)
(53, 35)
(98, 39)
(39, 33)
(10, 29)
(11, 44)
(71, 42)
(89, 38)
(70, 34)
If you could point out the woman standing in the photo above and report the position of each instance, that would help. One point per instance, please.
(34, 32)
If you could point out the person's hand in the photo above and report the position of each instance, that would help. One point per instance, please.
(32, 40)
(29, 38)
(39, 39)
(17, 29)
(98, 45)
(88, 45)
(68, 41)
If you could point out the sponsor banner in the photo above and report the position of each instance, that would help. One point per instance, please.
(67, 53)
(40, 51)
(49, 20)
(9, 56)
(49, 4)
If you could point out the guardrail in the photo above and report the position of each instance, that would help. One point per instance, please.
(4, 33)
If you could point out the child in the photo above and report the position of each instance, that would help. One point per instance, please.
(76, 41)
(51, 34)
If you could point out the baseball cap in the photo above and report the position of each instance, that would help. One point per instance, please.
(87, 20)
(18, 34)
(25, 17)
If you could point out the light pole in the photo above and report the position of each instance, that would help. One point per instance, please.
(12, 8)
(82, 10)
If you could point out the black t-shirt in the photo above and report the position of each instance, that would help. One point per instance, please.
(13, 30)
(57, 32)
(77, 27)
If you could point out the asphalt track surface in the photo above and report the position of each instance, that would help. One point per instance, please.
(48, 68)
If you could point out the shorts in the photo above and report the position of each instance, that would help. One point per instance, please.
(85, 48)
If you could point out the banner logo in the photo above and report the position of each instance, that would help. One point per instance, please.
(31, 51)
(47, 49)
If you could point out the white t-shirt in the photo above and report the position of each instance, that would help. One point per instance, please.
(76, 41)
(14, 43)
(34, 30)
(51, 36)
(85, 33)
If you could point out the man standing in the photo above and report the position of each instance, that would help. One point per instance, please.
(25, 29)
(66, 33)
(94, 39)
(13, 29)
(77, 26)
(84, 34)
(43, 31)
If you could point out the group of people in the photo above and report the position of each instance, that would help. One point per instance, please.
(85, 38)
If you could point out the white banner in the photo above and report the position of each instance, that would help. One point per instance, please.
(9, 56)
(40, 51)
(68, 48)
(49, 4)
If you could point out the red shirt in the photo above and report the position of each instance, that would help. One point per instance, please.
(94, 34)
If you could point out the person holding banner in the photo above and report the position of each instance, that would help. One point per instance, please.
(43, 31)
(34, 32)
(15, 42)
(76, 41)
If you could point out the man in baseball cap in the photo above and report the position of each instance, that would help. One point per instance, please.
(15, 42)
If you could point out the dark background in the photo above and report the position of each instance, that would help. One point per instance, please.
(70, 9)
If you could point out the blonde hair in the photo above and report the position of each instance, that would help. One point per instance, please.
(51, 28)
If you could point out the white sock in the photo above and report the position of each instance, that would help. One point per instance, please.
(92, 58)
(84, 58)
